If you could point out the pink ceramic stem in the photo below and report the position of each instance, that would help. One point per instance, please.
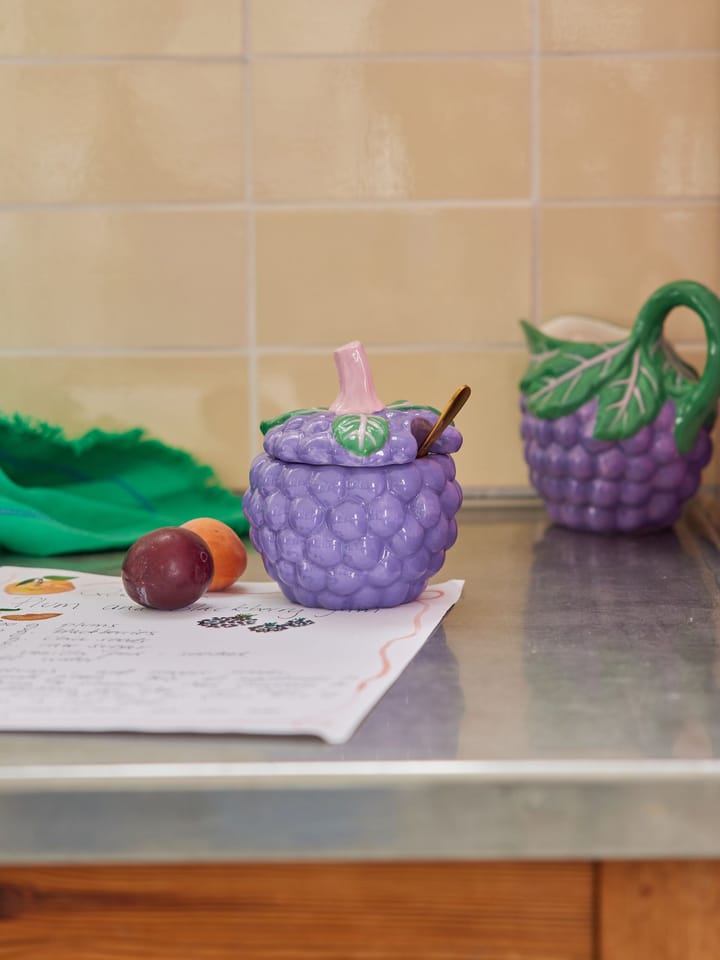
(357, 391)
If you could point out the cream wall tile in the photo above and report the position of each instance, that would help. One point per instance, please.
(567, 25)
(606, 261)
(399, 26)
(491, 455)
(196, 403)
(72, 28)
(392, 276)
(121, 131)
(389, 130)
(292, 381)
(133, 279)
(630, 127)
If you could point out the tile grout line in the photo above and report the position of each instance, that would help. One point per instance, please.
(535, 192)
(108, 353)
(293, 206)
(320, 350)
(676, 200)
(60, 60)
(480, 56)
(253, 414)
(368, 56)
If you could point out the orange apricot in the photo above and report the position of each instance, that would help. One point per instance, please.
(226, 548)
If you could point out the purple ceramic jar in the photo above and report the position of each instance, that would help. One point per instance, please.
(343, 513)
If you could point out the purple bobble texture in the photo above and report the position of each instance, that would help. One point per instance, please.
(634, 485)
(309, 439)
(351, 538)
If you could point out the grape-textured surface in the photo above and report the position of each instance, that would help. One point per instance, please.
(308, 438)
(353, 537)
(167, 569)
(631, 485)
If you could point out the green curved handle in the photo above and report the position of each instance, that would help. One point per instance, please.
(693, 409)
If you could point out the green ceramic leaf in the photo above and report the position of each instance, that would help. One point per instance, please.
(677, 375)
(541, 346)
(361, 433)
(632, 398)
(631, 378)
(266, 425)
(689, 418)
(562, 375)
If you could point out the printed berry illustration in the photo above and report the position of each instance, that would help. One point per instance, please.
(343, 512)
(272, 627)
(269, 627)
(616, 434)
(234, 620)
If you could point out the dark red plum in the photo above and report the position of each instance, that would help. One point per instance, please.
(167, 569)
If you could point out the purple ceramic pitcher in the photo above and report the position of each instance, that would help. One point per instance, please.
(617, 431)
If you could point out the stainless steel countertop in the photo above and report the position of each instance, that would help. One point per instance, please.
(568, 707)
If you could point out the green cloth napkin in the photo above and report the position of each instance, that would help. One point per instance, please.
(100, 491)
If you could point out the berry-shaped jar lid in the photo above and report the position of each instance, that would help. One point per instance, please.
(357, 429)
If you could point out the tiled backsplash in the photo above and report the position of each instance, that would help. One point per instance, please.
(201, 199)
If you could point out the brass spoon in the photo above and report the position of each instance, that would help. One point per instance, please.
(455, 404)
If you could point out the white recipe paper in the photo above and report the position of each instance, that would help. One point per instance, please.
(77, 654)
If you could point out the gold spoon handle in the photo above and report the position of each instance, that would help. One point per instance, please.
(455, 404)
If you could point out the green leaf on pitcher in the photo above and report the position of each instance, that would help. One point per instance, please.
(631, 378)
(540, 345)
(563, 375)
(676, 373)
(631, 399)
(361, 433)
(689, 418)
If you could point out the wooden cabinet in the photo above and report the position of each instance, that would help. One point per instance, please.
(659, 910)
(369, 911)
